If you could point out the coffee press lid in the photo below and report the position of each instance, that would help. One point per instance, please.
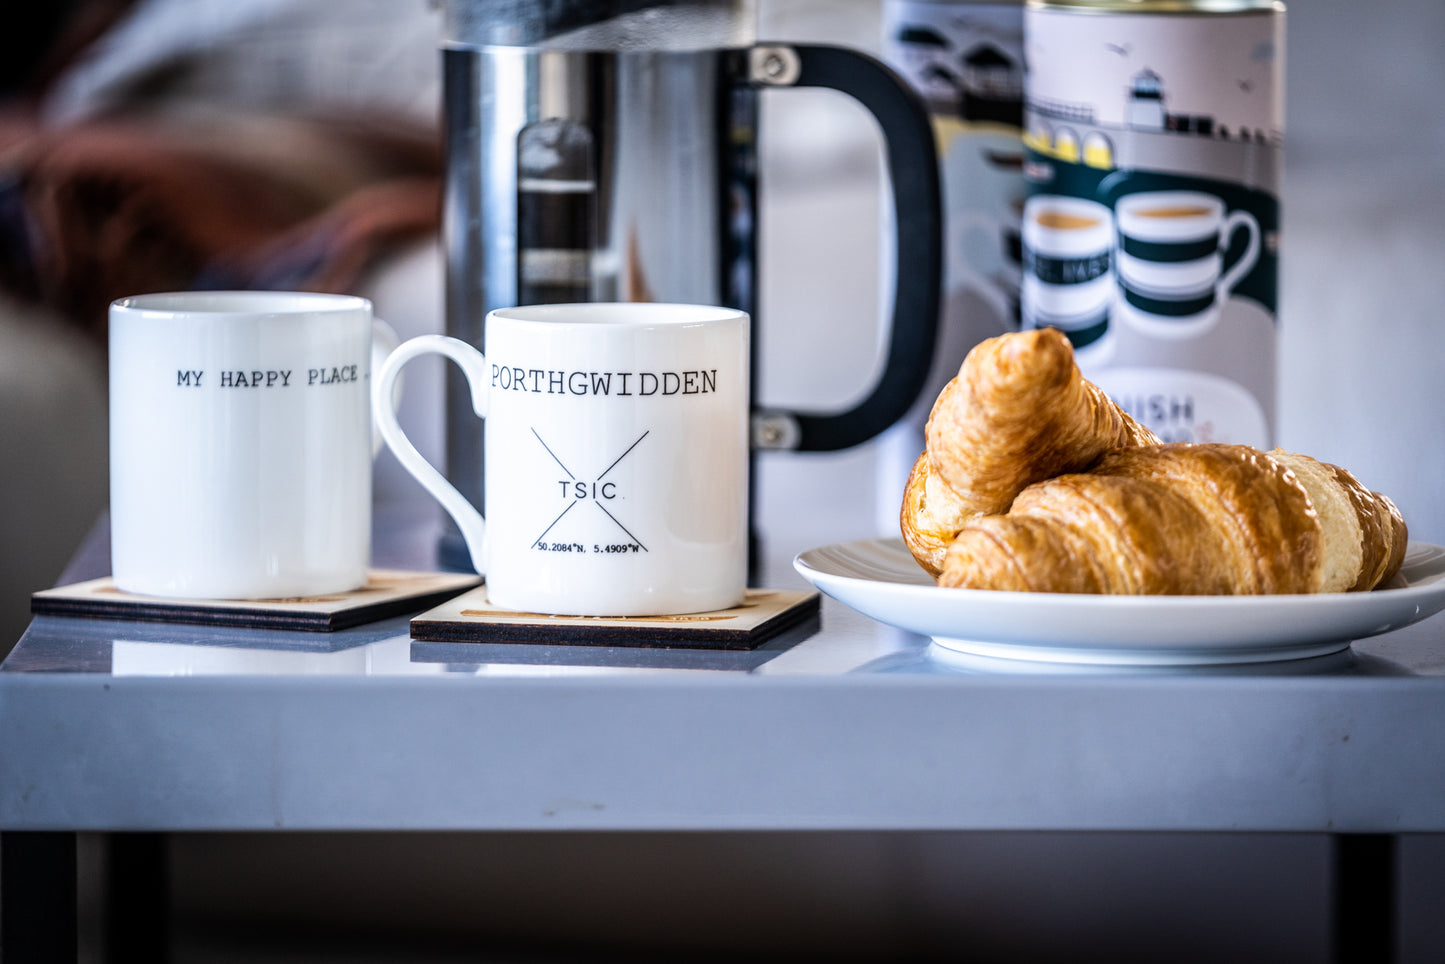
(601, 24)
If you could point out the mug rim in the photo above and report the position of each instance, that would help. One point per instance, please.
(235, 304)
(618, 315)
(1180, 195)
(1084, 241)
(1069, 203)
(1133, 223)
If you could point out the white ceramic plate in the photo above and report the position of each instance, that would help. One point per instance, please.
(879, 578)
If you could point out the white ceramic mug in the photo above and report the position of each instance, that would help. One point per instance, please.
(1170, 260)
(241, 443)
(615, 456)
(1068, 276)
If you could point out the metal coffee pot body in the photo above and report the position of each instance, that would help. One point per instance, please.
(606, 150)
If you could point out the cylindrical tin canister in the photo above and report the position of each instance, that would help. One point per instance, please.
(1153, 152)
(966, 58)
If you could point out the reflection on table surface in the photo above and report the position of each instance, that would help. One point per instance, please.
(840, 641)
(836, 642)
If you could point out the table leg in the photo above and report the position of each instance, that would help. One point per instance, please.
(138, 898)
(37, 897)
(1364, 909)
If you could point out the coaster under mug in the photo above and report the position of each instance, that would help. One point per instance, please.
(385, 593)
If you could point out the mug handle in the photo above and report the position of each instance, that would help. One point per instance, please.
(1232, 277)
(385, 393)
(912, 158)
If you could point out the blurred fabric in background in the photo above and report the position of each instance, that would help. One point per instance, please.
(220, 152)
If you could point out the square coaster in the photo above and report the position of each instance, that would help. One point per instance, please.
(388, 592)
(763, 614)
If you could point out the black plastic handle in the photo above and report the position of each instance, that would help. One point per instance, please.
(912, 158)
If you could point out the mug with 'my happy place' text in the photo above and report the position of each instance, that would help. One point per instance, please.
(616, 456)
(241, 443)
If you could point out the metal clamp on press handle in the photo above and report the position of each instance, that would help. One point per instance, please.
(776, 432)
(774, 66)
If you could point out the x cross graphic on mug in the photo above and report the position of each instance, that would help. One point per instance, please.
(599, 491)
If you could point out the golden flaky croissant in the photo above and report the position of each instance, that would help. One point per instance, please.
(1017, 413)
(1365, 536)
(1185, 520)
(1135, 516)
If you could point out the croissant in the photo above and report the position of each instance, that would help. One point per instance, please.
(1018, 412)
(932, 515)
(1365, 535)
(1186, 519)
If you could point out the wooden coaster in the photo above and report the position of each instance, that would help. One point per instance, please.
(763, 614)
(388, 592)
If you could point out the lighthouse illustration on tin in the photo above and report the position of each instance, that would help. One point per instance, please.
(1071, 131)
(1146, 101)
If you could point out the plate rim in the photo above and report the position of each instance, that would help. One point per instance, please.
(1387, 609)
(1163, 601)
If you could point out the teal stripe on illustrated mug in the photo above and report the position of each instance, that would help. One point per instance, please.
(1169, 252)
(1082, 333)
(1171, 308)
(1089, 333)
(1066, 271)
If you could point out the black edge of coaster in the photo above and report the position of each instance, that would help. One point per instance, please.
(462, 657)
(313, 621)
(607, 634)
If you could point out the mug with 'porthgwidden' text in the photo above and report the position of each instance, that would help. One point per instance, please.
(615, 454)
(241, 443)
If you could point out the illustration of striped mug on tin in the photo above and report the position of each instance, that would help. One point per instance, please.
(1068, 277)
(1170, 260)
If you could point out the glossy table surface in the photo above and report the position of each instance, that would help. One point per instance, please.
(844, 723)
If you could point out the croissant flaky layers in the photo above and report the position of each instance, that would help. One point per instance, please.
(1034, 480)
(1018, 413)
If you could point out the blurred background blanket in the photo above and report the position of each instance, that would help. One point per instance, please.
(103, 209)
(200, 160)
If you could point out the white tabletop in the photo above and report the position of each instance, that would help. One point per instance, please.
(845, 724)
